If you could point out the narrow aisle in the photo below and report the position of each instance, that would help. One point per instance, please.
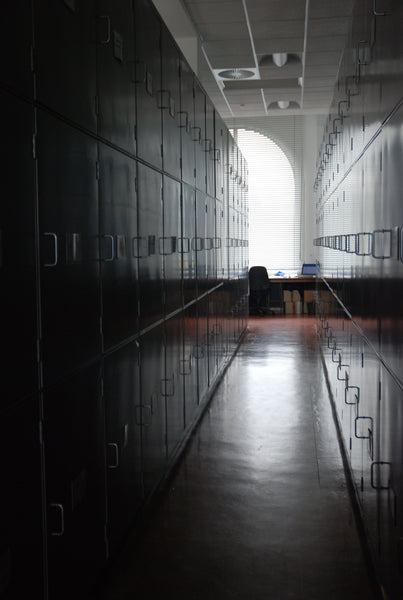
(258, 508)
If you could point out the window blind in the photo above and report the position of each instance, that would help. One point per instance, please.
(273, 150)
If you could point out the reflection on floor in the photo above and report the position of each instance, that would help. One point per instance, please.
(258, 508)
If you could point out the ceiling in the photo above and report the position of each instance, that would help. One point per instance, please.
(231, 43)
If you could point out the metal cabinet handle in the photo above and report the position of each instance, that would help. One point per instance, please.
(366, 252)
(185, 366)
(207, 145)
(163, 99)
(183, 119)
(370, 430)
(116, 461)
(60, 508)
(377, 13)
(196, 137)
(339, 367)
(197, 244)
(375, 233)
(340, 113)
(55, 255)
(166, 390)
(184, 245)
(356, 395)
(349, 248)
(378, 464)
(140, 71)
(144, 415)
(108, 29)
(112, 254)
(167, 245)
(208, 243)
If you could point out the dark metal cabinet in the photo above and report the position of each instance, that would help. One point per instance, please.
(16, 47)
(148, 83)
(116, 103)
(199, 243)
(22, 550)
(66, 37)
(17, 252)
(123, 441)
(202, 349)
(169, 103)
(211, 242)
(75, 484)
(172, 383)
(150, 219)
(198, 131)
(190, 244)
(219, 156)
(68, 221)
(152, 417)
(208, 147)
(189, 363)
(118, 245)
(172, 245)
(187, 122)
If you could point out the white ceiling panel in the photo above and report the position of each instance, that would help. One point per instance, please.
(223, 31)
(244, 34)
(216, 12)
(277, 29)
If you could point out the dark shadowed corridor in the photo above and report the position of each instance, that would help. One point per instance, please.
(258, 507)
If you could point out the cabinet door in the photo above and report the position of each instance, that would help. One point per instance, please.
(150, 232)
(21, 513)
(65, 57)
(199, 243)
(118, 245)
(208, 148)
(16, 47)
(187, 123)
(123, 441)
(148, 83)
(199, 137)
(68, 221)
(169, 102)
(210, 241)
(17, 252)
(202, 349)
(75, 484)
(151, 416)
(115, 74)
(219, 156)
(189, 243)
(189, 363)
(172, 245)
(172, 385)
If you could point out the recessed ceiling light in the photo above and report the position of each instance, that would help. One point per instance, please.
(280, 58)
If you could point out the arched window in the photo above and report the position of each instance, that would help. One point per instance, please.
(274, 209)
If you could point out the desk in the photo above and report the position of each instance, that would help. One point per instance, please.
(279, 284)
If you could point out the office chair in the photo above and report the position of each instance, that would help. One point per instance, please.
(259, 291)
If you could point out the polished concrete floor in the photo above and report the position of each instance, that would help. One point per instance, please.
(258, 508)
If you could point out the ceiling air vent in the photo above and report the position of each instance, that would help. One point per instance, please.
(235, 74)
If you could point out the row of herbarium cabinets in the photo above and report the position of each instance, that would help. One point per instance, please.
(81, 458)
(123, 271)
(368, 400)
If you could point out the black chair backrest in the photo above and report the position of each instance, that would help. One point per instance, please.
(258, 278)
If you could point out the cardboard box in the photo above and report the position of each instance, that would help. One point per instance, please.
(289, 308)
(287, 296)
(309, 295)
